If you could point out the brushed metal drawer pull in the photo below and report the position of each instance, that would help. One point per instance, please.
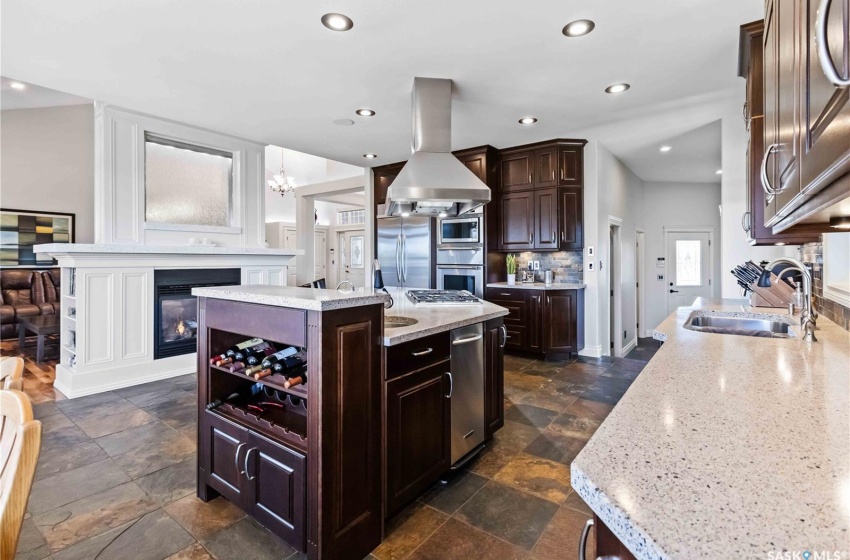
(423, 352)
(582, 543)
(504, 294)
(236, 461)
(451, 385)
(765, 182)
(248, 454)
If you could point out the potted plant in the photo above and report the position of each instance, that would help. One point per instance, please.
(510, 263)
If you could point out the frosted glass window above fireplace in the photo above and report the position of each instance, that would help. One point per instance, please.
(187, 184)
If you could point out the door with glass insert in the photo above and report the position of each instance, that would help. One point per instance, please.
(688, 268)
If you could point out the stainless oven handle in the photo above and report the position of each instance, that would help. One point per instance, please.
(459, 267)
(466, 340)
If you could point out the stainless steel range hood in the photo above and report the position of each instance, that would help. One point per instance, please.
(433, 181)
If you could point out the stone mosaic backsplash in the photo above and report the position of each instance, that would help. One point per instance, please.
(567, 265)
(812, 254)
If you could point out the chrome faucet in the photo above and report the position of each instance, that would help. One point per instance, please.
(338, 286)
(808, 315)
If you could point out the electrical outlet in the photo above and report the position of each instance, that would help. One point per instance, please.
(536, 265)
(590, 265)
(661, 277)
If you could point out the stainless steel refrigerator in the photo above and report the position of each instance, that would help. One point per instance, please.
(405, 247)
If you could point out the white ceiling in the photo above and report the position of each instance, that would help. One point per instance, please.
(694, 157)
(269, 71)
(33, 96)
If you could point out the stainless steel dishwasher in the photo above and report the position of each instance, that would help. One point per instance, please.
(467, 391)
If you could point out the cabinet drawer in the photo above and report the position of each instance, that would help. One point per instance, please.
(417, 354)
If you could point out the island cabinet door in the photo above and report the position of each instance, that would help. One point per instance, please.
(278, 488)
(418, 433)
(223, 462)
(495, 337)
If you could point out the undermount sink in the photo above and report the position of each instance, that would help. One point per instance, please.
(397, 321)
(742, 326)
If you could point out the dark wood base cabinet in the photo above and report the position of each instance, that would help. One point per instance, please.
(608, 546)
(310, 472)
(542, 322)
(418, 393)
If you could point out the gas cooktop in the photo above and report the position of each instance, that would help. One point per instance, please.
(442, 297)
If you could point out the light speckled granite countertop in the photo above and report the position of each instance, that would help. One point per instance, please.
(311, 299)
(537, 286)
(434, 319)
(727, 446)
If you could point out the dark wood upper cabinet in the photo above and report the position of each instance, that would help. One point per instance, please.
(418, 440)
(546, 167)
(384, 176)
(806, 153)
(751, 67)
(516, 221)
(571, 220)
(825, 154)
(517, 171)
(571, 168)
(546, 232)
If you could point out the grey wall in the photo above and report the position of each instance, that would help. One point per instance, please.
(676, 204)
(48, 162)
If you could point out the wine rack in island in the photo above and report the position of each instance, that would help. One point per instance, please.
(290, 423)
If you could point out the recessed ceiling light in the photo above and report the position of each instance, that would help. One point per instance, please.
(578, 28)
(343, 122)
(617, 88)
(443, 214)
(337, 22)
(719, 172)
(527, 120)
(665, 148)
(365, 112)
(370, 156)
(17, 85)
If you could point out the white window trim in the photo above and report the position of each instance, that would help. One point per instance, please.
(163, 226)
(839, 293)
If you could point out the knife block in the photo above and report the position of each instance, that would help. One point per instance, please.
(779, 294)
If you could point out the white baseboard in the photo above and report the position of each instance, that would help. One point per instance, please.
(75, 384)
(630, 346)
(591, 351)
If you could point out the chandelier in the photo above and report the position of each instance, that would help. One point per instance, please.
(281, 183)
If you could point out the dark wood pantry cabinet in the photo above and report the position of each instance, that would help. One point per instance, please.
(540, 197)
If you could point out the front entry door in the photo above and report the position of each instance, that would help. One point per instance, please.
(688, 268)
(352, 264)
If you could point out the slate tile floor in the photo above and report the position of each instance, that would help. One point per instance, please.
(116, 475)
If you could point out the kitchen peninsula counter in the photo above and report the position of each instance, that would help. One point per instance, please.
(727, 445)
(537, 286)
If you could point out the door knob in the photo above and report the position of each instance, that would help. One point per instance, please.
(674, 291)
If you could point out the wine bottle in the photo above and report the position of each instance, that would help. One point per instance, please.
(251, 390)
(289, 363)
(293, 381)
(269, 361)
(233, 349)
(261, 350)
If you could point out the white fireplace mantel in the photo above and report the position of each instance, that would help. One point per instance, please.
(107, 307)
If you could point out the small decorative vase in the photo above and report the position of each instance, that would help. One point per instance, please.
(512, 279)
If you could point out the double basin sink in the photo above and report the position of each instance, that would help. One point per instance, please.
(742, 326)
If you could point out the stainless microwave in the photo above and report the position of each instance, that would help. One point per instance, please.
(461, 230)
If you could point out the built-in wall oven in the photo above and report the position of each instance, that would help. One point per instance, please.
(461, 268)
(466, 229)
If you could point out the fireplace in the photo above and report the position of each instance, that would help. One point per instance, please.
(176, 309)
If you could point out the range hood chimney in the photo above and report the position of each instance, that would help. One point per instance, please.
(433, 181)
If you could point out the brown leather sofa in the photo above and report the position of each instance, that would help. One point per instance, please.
(25, 293)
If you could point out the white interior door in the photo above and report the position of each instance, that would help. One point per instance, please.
(320, 248)
(351, 257)
(688, 268)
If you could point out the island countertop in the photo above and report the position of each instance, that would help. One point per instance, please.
(311, 299)
(727, 446)
(434, 319)
(537, 286)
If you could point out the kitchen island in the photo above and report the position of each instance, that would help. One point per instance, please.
(726, 445)
(367, 432)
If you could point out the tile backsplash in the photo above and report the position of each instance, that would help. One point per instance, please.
(812, 254)
(568, 266)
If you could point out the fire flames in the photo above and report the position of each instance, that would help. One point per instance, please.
(181, 328)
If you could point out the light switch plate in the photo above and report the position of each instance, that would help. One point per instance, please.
(661, 277)
(590, 251)
(590, 265)
(536, 265)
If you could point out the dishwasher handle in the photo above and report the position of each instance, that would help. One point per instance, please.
(468, 339)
